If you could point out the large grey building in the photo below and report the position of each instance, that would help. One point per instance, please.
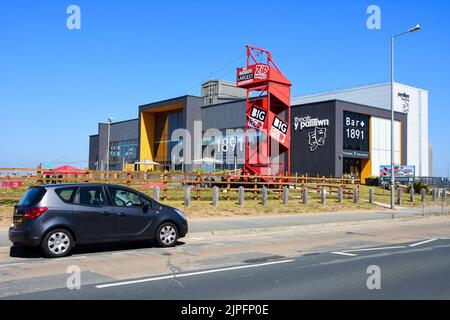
(332, 134)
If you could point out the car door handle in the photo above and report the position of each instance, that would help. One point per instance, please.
(106, 213)
(122, 214)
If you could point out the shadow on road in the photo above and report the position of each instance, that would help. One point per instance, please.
(19, 251)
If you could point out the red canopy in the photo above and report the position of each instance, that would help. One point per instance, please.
(64, 170)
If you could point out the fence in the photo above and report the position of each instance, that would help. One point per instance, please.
(171, 185)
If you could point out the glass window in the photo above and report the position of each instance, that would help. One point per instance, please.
(92, 196)
(356, 131)
(66, 194)
(32, 196)
(124, 198)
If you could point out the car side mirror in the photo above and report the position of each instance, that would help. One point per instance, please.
(145, 207)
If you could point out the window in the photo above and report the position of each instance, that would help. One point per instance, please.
(32, 196)
(125, 198)
(92, 196)
(356, 131)
(66, 194)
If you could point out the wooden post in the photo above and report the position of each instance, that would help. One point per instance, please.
(371, 195)
(280, 190)
(165, 183)
(286, 196)
(399, 195)
(228, 187)
(187, 196)
(423, 194)
(264, 196)
(241, 196)
(305, 195)
(215, 200)
(197, 194)
(156, 194)
(340, 195)
(255, 192)
(355, 195)
(323, 196)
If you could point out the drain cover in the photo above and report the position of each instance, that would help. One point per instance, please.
(265, 259)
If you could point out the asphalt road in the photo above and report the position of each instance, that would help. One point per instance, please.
(417, 270)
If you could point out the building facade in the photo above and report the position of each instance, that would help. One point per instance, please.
(123, 145)
(407, 100)
(333, 134)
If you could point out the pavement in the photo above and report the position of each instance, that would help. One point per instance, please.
(314, 256)
(214, 225)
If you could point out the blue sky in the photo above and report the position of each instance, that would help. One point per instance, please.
(57, 84)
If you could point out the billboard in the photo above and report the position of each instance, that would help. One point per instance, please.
(400, 171)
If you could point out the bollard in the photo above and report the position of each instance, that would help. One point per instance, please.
(323, 196)
(187, 196)
(156, 194)
(371, 195)
(340, 195)
(264, 196)
(241, 196)
(215, 197)
(423, 194)
(399, 196)
(355, 195)
(285, 196)
(305, 195)
(411, 193)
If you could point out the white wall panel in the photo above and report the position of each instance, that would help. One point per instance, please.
(380, 141)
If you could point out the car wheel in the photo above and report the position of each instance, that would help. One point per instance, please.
(167, 235)
(57, 243)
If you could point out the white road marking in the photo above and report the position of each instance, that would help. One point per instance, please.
(191, 274)
(420, 243)
(11, 265)
(375, 249)
(345, 254)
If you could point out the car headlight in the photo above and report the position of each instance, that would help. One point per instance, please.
(181, 213)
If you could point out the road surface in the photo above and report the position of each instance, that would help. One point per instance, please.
(313, 261)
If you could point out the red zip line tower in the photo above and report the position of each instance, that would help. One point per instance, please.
(268, 115)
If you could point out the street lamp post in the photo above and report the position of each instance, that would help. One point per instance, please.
(110, 120)
(416, 28)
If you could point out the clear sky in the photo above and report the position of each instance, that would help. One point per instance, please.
(56, 84)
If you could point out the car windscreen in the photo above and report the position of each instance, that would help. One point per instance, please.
(32, 196)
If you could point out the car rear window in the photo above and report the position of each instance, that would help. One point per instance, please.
(32, 196)
(67, 194)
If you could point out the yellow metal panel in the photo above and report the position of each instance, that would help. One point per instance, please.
(147, 136)
(366, 165)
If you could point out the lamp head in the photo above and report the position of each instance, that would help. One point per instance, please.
(416, 28)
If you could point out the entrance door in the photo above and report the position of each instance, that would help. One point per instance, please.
(352, 167)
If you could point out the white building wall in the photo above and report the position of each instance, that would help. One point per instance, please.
(380, 142)
(379, 95)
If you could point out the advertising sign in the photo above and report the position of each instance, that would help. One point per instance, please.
(356, 135)
(317, 130)
(401, 172)
(279, 130)
(257, 118)
(251, 74)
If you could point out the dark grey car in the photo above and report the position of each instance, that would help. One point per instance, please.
(56, 217)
